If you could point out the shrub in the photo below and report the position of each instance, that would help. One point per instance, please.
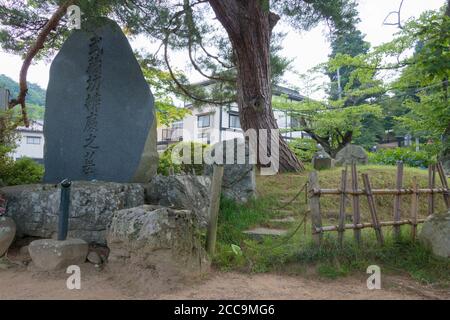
(409, 157)
(165, 160)
(22, 171)
(304, 149)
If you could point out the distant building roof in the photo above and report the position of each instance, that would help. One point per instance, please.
(277, 90)
(36, 126)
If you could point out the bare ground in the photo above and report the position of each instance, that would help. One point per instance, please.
(23, 283)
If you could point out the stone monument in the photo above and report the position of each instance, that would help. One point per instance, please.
(99, 118)
(351, 153)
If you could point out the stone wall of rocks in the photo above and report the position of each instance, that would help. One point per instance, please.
(34, 208)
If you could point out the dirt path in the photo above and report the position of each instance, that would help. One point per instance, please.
(20, 283)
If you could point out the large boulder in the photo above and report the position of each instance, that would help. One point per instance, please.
(7, 233)
(158, 238)
(436, 234)
(351, 153)
(50, 255)
(239, 179)
(35, 208)
(181, 192)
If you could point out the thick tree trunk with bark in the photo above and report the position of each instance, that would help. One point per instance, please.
(249, 27)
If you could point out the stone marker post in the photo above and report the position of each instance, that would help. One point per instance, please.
(63, 218)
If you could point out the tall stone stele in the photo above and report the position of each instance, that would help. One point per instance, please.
(99, 120)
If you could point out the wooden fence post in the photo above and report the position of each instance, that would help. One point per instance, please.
(356, 211)
(431, 185)
(342, 207)
(414, 209)
(213, 212)
(314, 205)
(444, 184)
(398, 199)
(373, 209)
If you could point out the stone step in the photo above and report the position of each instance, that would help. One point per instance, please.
(289, 219)
(284, 212)
(260, 233)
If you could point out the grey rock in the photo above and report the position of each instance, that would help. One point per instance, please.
(351, 153)
(435, 234)
(181, 192)
(158, 238)
(35, 208)
(239, 180)
(50, 255)
(7, 233)
(99, 117)
(94, 257)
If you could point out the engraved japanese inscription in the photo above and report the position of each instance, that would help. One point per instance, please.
(99, 119)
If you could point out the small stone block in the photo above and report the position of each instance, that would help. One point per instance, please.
(49, 254)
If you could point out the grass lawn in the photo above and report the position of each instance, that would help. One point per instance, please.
(296, 252)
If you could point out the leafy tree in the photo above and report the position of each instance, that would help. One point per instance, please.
(331, 125)
(35, 95)
(235, 49)
(163, 88)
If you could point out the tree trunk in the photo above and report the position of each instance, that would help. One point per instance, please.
(249, 27)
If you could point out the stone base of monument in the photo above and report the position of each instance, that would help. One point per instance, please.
(50, 255)
(7, 234)
(436, 234)
(157, 238)
(35, 207)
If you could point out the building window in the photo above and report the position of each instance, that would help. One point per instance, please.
(203, 121)
(177, 125)
(166, 134)
(204, 138)
(234, 121)
(33, 140)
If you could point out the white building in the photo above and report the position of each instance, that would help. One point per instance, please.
(30, 143)
(211, 124)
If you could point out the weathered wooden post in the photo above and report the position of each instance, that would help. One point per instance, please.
(356, 211)
(398, 199)
(431, 186)
(213, 212)
(444, 183)
(342, 207)
(414, 208)
(314, 205)
(373, 209)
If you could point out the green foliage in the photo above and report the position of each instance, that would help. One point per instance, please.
(35, 94)
(411, 158)
(304, 149)
(165, 159)
(163, 88)
(184, 26)
(21, 171)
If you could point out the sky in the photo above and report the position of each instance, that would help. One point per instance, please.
(308, 49)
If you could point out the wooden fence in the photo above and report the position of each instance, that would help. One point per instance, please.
(315, 192)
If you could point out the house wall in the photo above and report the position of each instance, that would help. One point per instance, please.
(30, 143)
